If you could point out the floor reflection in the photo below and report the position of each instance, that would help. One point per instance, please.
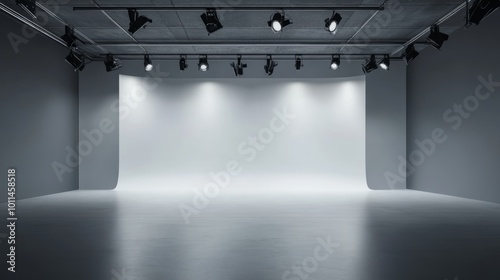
(365, 235)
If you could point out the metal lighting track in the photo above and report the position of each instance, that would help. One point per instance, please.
(17, 16)
(230, 8)
(426, 30)
(248, 57)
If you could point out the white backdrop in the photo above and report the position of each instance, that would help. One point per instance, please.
(244, 134)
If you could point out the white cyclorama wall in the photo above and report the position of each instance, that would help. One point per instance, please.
(286, 134)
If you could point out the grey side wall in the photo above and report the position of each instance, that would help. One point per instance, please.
(38, 113)
(385, 125)
(440, 85)
(98, 90)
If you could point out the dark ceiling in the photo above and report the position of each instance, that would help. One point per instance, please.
(247, 32)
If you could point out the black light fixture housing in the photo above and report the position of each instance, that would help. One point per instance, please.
(332, 23)
(436, 38)
(370, 65)
(410, 53)
(137, 21)
(269, 67)
(211, 21)
(238, 67)
(28, 6)
(182, 63)
(203, 63)
(76, 60)
(69, 37)
(278, 22)
(480, 9)
(298, 62)
(148, 64)
(385, 63)
(112, 63)
(335, 63)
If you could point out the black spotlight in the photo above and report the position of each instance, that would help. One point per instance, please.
(385, 63)
(481, 9)
(436, 38)
(238, 68)
(332, 23)
(203, 64)
(76, 60)
(148, 64)
(182, 63)
(335, 63)
(410, 53)
(136, 21)
(28, 6)
(69, 37)
(298, 62)
(278, 22)
(269, 67)
(112, 63)
(370, 65)
(211, 21)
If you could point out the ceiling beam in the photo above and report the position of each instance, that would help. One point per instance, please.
(202, 44)
(249, 56)
(230, 8)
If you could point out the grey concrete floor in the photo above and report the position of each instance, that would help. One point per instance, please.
(364, 235)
